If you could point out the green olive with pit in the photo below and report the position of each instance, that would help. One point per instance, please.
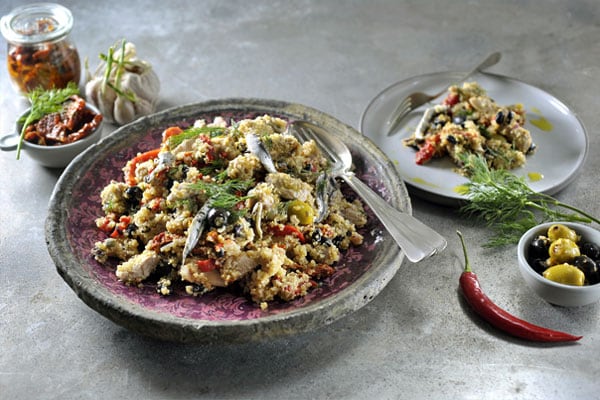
(560, 231)
(565, 274)
(562, 250)
(301, 210)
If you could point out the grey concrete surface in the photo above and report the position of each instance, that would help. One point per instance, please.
(417, 339)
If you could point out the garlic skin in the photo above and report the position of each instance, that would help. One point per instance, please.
(138, 85)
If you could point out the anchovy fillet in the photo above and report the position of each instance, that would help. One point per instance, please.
(257, 148)
(195, 230)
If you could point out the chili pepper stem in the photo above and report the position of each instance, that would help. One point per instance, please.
(464, 247)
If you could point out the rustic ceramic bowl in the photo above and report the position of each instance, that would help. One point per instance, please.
(553, 292)
(219, 315)
(51, 156)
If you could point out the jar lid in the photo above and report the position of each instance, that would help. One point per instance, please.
(35, 23)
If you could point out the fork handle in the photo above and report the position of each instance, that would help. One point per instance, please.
(417, 240)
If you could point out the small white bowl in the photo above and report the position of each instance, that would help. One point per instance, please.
(553, 292)
(52, 156)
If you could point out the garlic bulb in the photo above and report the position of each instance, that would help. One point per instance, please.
(123, 87)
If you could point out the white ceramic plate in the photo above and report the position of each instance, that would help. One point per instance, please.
(560, 136)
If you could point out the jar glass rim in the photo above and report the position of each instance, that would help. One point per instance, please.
(22, 25)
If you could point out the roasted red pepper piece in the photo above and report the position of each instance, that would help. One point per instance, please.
(500, 318)
(451, 99)
(425, 153)
(140, 158)
(285, 230)
(171, 131)
(206, 265)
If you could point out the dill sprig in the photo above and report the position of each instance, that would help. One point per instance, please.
(210, 131)
(44, 102)
(225, 194)
(507, 204)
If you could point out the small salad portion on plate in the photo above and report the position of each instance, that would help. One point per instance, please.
(514, 125)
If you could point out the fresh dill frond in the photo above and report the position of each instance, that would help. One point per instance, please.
(216, 169)
(506, 203)
(227, 193)
(44, 102)
(190, 133)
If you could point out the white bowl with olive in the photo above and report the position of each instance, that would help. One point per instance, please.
(560, 261)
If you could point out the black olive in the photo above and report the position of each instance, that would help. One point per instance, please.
(220, 252)
(338, 240)
(198, 289)
(594, 278)
(452, 139)
(531, 148)
(316, 236)
(585, 264)
(133, 195)
(538, 248)
(184, 170)
(500, 118)
(509, 116)
(218, 217)
(130, 229)
(539, 265)
(592, 250)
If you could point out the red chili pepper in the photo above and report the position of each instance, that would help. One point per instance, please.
(500, 318)
(288, 230)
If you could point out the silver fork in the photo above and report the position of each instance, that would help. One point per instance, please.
(417, 240)
(417, 99)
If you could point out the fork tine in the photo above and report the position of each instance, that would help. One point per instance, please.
(402, 108)
(310, 134)
(395, 122)
(300, 133)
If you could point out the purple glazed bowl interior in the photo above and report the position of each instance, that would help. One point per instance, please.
(220, 315)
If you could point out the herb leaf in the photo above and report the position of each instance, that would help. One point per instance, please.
(505, 202)
(210, 131)
(224, 194)
(44, 102)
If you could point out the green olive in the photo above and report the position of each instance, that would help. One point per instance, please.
(558, 231)
(563, 250)
(566, 274)
(302, 211)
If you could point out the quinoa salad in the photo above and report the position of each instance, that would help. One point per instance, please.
(470, 122)
(203, 211)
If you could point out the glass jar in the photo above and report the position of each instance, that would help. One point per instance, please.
(40, 53)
